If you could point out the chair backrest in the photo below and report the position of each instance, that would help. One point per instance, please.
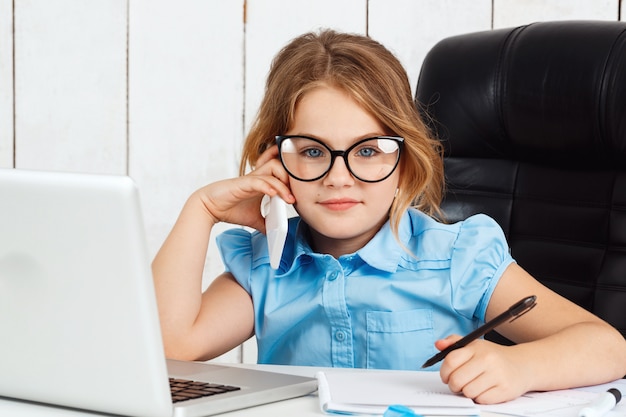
(533, 120)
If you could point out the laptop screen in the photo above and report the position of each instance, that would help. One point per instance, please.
(78, 316)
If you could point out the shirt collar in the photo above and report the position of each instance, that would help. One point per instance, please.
(382, 252)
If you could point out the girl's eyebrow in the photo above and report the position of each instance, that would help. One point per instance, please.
(352, 141)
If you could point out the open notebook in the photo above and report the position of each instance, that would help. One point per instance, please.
(361, 392)
(78, 316)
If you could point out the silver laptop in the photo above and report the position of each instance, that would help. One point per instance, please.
(78, 317)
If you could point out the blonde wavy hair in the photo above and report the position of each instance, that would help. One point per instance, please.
(376, 80)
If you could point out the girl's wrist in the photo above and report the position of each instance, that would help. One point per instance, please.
(200, 202)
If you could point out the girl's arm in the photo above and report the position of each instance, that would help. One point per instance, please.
(559, 345)
(198, 325)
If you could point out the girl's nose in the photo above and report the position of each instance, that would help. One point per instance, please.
(339, 175)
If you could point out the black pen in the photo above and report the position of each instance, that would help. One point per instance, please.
(515, 311)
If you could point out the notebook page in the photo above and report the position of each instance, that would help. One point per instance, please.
(561, 403)
(358, 392)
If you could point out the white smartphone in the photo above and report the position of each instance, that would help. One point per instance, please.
(274, 209)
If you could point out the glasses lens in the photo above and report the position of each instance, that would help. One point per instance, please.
(374, 159)
(304, 158)
(370, 160)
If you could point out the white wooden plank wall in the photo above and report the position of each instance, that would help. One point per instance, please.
(6, 84)
(70, 85)
(165, 90)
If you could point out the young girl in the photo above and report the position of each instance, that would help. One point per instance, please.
(368, 278)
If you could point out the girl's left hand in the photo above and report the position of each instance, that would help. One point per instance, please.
(484, 371)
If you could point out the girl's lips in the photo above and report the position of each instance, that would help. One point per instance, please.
(339, 204)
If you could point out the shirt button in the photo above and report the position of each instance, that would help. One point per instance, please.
(341, 336)
(333, 276)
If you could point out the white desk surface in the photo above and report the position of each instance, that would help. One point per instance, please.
(300, 407)
(307, 406)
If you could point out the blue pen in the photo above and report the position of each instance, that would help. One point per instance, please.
(397, 410)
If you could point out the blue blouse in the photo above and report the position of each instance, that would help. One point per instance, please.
(380, 307)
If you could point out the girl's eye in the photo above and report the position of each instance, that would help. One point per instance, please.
(312, 153)
(367, 152)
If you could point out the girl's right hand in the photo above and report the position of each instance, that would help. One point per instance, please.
(238, 200)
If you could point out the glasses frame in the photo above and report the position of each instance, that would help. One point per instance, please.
(342, 153)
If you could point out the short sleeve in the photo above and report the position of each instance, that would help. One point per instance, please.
(235, 246)
(480, 255)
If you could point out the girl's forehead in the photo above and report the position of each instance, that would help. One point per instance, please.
(334, 117)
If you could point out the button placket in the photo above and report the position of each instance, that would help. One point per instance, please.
(338, 316)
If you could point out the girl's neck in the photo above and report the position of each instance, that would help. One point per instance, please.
(337, 247)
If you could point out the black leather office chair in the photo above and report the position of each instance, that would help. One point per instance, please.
(533, 120)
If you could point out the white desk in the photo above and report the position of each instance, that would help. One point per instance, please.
(301, 407)
(307, 406)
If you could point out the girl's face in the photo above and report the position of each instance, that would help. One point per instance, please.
(342, 212)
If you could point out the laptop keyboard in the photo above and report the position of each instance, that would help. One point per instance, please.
(183, 389)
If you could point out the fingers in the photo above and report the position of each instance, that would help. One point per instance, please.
(441, 344)
(269, 167)
(484, 372)
(259, 183)
(268, 154)
(453, 363)
(463, 374)
(238, 200)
